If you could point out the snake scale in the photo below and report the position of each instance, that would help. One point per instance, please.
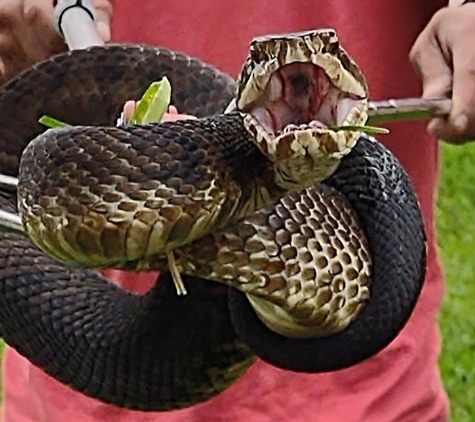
(308, 252)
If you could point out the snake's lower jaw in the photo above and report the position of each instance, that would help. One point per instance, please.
(307, 154)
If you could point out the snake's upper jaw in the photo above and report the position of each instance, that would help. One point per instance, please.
(293, 92)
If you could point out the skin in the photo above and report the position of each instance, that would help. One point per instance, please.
(27, 34)
(444, 57)
(171, 115)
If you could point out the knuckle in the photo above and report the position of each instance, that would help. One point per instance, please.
(417, 51)
(441, 14)
(414, 54)
(38, 12)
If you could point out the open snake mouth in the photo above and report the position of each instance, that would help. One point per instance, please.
(301, 96)
(293, 90)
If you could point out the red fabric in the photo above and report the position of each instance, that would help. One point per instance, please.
(399, 384)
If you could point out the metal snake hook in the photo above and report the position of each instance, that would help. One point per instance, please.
(408, 109)
(9, 221)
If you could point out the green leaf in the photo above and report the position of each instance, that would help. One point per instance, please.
(153, 104)
(356, 128)
(52, 122)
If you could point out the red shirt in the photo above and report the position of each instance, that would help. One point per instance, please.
(401, 383)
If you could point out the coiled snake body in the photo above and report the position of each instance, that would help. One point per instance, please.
(318, 232)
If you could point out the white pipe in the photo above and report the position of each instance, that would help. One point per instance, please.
(11, 222)
(11, 182)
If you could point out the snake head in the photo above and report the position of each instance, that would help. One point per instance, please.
(293, 89)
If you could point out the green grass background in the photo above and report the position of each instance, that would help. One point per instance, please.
(456, 237)
(456, 234)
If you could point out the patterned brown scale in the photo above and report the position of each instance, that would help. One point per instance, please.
(176, 195)
(310, 284)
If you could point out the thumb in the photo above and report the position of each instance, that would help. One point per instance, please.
(463, 111)
(103, 18)
(431, 64)
(433, 68)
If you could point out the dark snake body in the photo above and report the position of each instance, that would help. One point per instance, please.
(159, 351)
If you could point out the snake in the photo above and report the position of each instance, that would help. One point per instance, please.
(298, 243)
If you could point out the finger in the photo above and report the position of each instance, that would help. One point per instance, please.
(10, 13)
(463, 96)
(431, 63)
(3, 78)
(172, 117)
(12, 56)
(103, 19)
(129, 108)
(9, 24)
(104, 31)
(459, 126)
(172, 110)
(25, 34)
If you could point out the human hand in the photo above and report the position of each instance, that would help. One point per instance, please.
(27, 34)
(444, 57)
(171, 115)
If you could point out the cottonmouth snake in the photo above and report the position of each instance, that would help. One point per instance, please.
(322, 240)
